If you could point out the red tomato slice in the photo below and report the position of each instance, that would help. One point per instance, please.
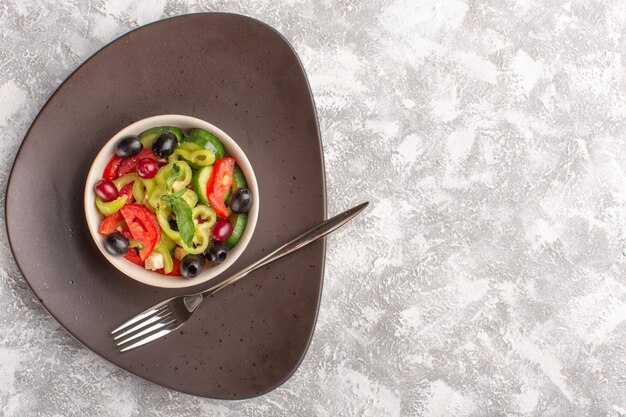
(220, 181)
(128, 191)
(175, 269)
(142, 224)
(112, 169)
(125, 232)
(130, 164)
(110, 223)
(133, 256)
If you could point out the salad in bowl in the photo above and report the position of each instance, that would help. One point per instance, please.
(171, 201)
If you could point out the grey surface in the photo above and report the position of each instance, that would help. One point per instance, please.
(489, 275)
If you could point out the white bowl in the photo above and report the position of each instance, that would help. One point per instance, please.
(94, 217)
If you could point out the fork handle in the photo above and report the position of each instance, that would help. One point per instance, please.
(310, 236)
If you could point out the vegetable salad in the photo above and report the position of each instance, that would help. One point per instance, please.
(173, 201)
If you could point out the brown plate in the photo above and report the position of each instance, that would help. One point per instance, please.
(242, 76)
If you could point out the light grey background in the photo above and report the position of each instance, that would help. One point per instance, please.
(489, 275)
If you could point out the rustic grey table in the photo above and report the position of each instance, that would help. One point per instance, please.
(488, 276)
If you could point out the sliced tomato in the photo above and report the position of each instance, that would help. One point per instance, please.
(125, 232)
(127, 190)
(143, 226)
(110, 223)
(219, 183)
(175, 269)
(134, 257)
(130, 164)
(111, 171)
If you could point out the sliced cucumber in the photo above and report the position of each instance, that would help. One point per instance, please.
(207, 140)
(239, 180)
(239, 221)
(149, 135)
(200, 181)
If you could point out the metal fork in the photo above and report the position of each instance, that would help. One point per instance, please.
(171, 314)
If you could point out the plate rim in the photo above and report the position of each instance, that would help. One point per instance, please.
(324, 198)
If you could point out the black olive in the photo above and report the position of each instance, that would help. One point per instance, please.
(216, 254)
(241, 201)
(191, 265)
(116, 244)
(128, 146)
(165, 144)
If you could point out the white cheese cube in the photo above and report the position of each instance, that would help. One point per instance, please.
(154, 261)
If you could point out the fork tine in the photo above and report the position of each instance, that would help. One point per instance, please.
(141, 325)
(150, 338)
(150, 329)
(146, 313)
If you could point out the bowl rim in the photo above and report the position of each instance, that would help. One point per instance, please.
(94, 217)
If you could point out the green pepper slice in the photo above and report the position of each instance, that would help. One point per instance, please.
(125, 179)
(202, 158)
(195, 155)
(142, 188)
(111, 207)
(163, 214)
(168, 262)
(184, 151)
(190, 198)
(168, 242)
(175, 176)
(154, 197)
(202, 233)
(206, 213)
(201, 239)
